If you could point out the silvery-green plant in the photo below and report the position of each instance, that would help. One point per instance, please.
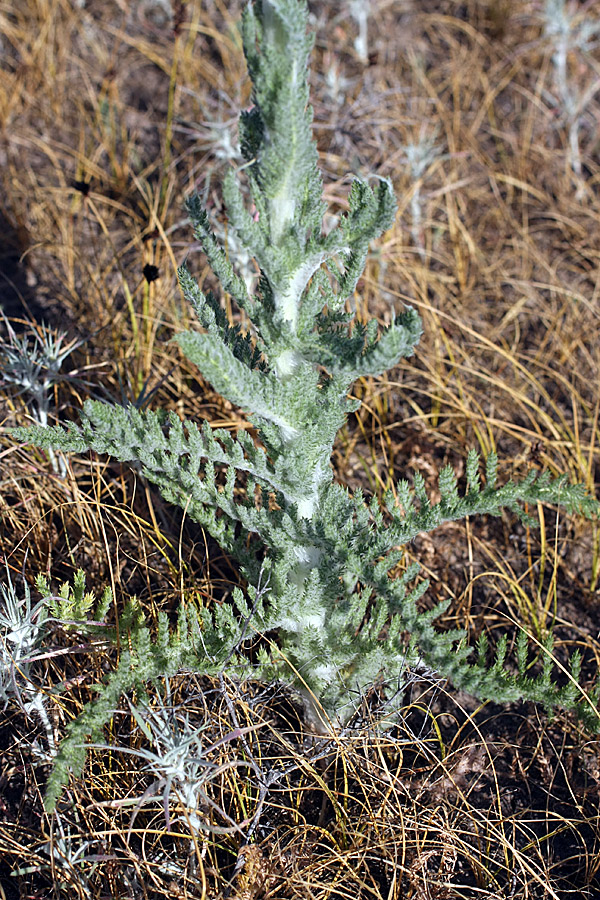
(569, 31)
(335, 616)
(180, 764)
(238, 254)
(32, 363)
(22, 628)
(67, 856)
(200, 642)
(360, 11)
(220, 139)
(336, 83)
(215, 141)
(420, 155)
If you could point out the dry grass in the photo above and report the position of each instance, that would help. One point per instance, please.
(109, 114)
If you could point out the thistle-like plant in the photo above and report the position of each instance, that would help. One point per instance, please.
(336, 619)
(360, 11)
(21, 631)
(22, 627)
(67, 857)
(420, 156)
(569, 31)
(32, 363)
(200, 642)
(180, 765)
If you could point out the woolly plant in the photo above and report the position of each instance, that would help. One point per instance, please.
(334, 618)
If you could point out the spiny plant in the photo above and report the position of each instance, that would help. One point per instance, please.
(181, 764)
(335, 616)
(360, 11)
(21, 631)
(32, 362)
(420, 155)
(22, 628)
(569, 30)
(200, 642)
(67, 857)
